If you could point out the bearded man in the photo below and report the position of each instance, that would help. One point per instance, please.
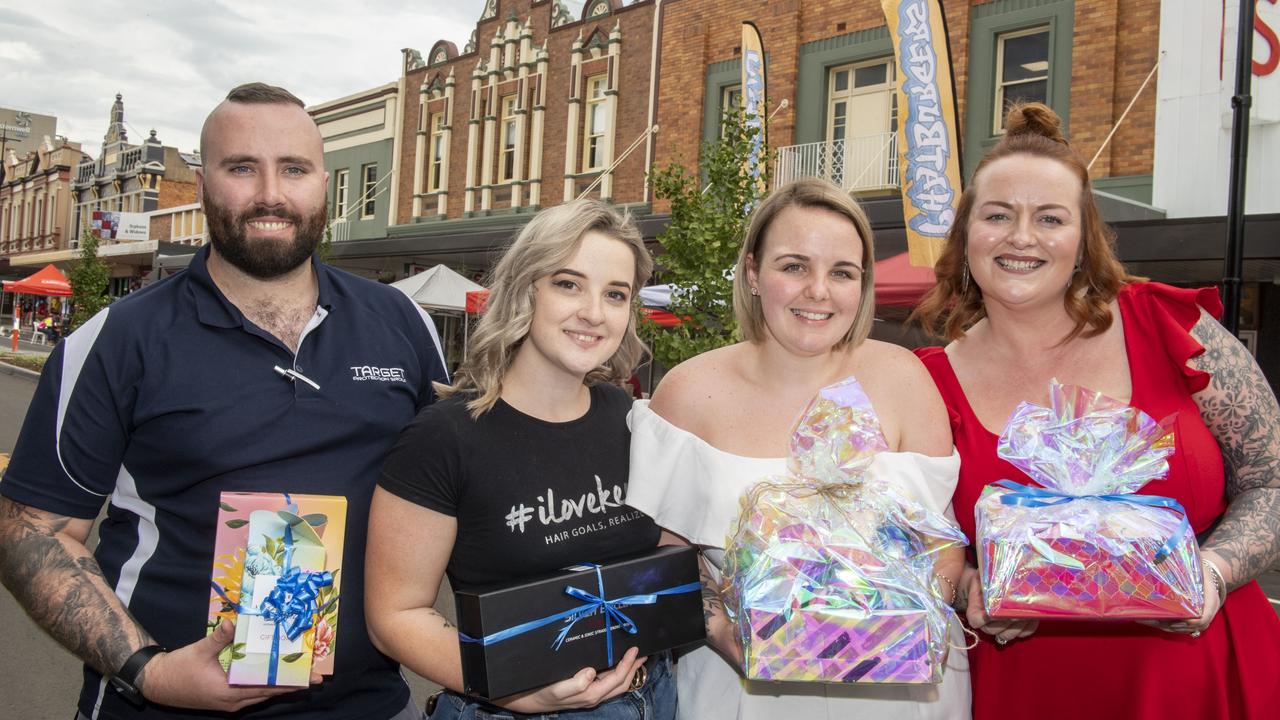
(242, 373)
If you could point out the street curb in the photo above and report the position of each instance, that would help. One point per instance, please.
(16, 371)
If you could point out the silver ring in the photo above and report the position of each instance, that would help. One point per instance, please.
(1195, 633)
(1002, 641)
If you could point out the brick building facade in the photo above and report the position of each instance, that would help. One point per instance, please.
(36, 199)
(132, 178)
(124, 178)
(538, 108)
(536, 111)
(1085, 58)
(541, 105)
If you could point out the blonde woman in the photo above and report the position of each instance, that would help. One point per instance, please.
(721, 422)
(533, 413)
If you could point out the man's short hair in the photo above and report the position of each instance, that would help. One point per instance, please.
(261, 93)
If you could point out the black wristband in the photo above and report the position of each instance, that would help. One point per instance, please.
(125, 680)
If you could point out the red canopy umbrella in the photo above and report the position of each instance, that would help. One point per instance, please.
(898, 282)
(48, 281)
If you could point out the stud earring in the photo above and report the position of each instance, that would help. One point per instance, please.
(755, 291)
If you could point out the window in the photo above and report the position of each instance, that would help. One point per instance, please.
(367, 190)
(435, 171)
(1022, 70)
(340, 195)
(862, 117)
(730, 100)
(861, 100)
(594, 142)
(39, 216)
(507, 156)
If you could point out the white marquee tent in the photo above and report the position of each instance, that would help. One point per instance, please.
(438, 288)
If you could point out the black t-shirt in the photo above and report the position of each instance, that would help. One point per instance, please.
(530, 496)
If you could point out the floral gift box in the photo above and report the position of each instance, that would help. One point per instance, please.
(277, 574)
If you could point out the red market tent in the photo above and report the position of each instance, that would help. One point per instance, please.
(475, 303)
(476, 300)
(898, 282)
(48, 281)
(660, 316)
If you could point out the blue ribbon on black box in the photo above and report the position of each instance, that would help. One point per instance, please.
(593, 603)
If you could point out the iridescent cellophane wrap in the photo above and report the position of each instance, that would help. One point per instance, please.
(1078, 548)
(829, 570)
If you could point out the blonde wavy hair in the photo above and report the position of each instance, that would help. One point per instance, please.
(806, 193)
(544, 246)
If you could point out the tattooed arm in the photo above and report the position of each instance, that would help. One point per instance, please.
(720, 632)
(45, 564)
(1240, 409)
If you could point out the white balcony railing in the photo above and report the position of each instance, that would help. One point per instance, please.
(869, 162)
(339, 231)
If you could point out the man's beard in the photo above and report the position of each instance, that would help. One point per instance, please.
(263, 258)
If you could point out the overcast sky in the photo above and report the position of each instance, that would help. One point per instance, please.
(173, 60)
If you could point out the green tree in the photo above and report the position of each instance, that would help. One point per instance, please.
(701, 242)
(326, 244)
(89, 278)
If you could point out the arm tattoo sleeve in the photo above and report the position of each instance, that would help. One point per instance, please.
(1240, 409)
(59, 584)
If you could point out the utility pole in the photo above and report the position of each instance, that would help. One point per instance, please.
(1233, 266)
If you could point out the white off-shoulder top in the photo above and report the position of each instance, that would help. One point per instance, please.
(691, 488)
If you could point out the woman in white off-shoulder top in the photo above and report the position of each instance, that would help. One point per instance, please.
(721, 421)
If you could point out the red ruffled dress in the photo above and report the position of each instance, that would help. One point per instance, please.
(1124, 670)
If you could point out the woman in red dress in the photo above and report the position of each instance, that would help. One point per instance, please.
(1029, 289)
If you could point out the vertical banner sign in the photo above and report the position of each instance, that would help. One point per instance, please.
(753, 100)
(928, 145)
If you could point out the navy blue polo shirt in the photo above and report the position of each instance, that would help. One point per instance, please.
(170, 396)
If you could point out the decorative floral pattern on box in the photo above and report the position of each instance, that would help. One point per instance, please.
(276, 574)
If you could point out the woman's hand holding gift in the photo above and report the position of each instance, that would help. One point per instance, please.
(1215, 593)
(969, 601)
(586, 689)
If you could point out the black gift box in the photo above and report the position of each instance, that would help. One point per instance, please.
(535, 632)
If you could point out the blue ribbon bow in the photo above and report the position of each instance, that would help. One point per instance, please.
(292, 603)
(1036, 497)
(593, 603)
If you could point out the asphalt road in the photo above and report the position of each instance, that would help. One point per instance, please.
(40, 681)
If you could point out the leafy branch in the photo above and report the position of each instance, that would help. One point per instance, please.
(702, 240)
